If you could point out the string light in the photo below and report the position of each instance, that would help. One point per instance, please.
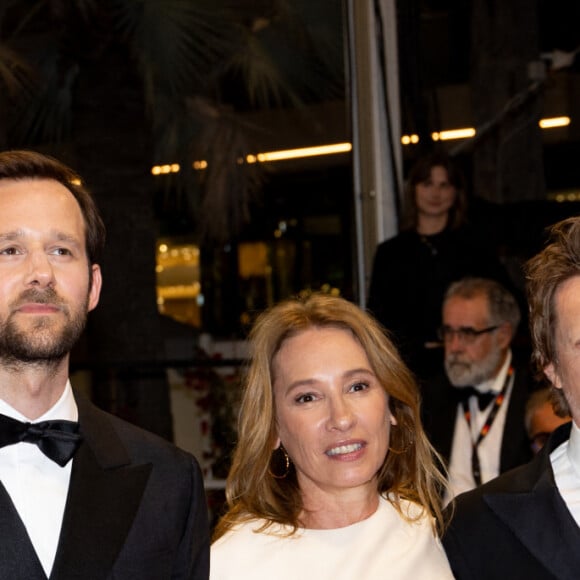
(341, 148)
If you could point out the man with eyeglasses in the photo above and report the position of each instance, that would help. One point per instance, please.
(474, 414)
(526, 523)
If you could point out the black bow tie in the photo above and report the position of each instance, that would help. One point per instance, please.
(483, 399)
(58, 440)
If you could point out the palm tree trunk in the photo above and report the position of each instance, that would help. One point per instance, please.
(112, 147)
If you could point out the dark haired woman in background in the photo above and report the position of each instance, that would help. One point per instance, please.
(435, 247)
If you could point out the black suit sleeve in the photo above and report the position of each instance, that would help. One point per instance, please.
(192, 560)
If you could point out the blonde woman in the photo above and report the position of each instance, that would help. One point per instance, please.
(332, 476)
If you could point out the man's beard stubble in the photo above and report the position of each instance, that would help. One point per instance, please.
(43, 342)
(464, 374)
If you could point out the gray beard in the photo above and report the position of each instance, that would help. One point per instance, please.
(42, 345)
(464, 374)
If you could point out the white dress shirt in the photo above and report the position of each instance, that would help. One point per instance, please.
(37, 485)
(566, 466)
(489, 450)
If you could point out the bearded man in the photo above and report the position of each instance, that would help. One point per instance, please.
(474, 414)
(82, 493)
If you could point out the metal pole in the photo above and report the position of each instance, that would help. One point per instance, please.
(375, 110)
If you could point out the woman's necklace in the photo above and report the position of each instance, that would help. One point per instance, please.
(429, 244)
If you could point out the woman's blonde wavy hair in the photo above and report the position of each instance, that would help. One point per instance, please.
(411, 469)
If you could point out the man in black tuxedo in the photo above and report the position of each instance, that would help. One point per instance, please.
(525, 524)
(474, 414)
(83, 495)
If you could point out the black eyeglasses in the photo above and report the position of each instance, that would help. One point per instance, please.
(465, 334)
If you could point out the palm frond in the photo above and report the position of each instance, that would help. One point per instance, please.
(225, 203)
(176, 42)
(264, 81)
(86, 8)
(46, 114)
(218, 196)
(16, 73)
(313, 31)
(290, 54)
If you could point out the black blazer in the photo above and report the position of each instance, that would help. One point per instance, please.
(516, 526)
(409, 277)
(439, 410)
(135, 509)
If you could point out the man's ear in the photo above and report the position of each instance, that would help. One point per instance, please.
(552, 374)
(505, 334)
(95, 289)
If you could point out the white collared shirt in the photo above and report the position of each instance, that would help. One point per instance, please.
(565, 461)
(37, 485)
(489, 450)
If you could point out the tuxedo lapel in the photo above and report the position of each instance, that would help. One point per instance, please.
(543, 524)
(18, 558)
(540, 519)
(104, 495)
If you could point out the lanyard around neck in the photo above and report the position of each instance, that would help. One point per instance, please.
(497, 403)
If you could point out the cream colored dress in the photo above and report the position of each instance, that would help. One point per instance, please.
(384, 546)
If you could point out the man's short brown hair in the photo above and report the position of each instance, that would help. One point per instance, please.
(20, 165)
(545, 273)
